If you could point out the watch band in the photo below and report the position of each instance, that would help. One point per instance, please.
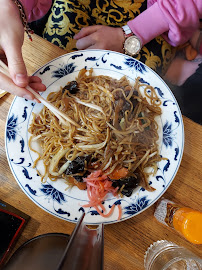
(127, 31)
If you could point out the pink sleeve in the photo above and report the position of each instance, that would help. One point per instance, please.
(36, 9)
(176, 19)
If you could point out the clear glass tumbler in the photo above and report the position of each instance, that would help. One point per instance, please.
(165, 255)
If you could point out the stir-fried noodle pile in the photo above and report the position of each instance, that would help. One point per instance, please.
(115, 132)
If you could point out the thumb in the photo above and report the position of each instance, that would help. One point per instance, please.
(16, 66)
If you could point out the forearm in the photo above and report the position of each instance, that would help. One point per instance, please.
(36, 9)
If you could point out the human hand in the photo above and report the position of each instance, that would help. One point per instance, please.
(100, 37)
(11, 41)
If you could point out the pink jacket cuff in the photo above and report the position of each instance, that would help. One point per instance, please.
(36, 9)
(149, 24)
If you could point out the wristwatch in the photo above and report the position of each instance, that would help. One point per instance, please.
(132, 44)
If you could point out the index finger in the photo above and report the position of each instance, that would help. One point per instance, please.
(86, 31)
(8, 85)
(16, 65)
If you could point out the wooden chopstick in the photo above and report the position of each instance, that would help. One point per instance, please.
(60, 115)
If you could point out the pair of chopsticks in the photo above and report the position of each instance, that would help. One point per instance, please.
(59, 114)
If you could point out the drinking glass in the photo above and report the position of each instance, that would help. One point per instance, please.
(165, 255)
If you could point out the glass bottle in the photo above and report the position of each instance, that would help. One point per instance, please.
(187, 221)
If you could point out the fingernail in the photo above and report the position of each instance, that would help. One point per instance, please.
(29, 97)
(21, 78)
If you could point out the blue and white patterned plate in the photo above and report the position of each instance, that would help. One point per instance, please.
(53, 196)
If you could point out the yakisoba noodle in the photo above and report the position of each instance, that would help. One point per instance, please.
(116, 132)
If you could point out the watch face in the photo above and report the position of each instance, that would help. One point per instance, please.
(132, 45)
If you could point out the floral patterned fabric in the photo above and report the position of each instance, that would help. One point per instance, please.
(68, 17)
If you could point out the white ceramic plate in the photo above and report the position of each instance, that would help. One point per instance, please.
(52, 196)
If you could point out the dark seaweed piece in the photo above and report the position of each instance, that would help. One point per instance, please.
(77, 165)
(130, 183)
(72, 87)
(126, 107)
(79, 178)
(135, 93)
(134, 101)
